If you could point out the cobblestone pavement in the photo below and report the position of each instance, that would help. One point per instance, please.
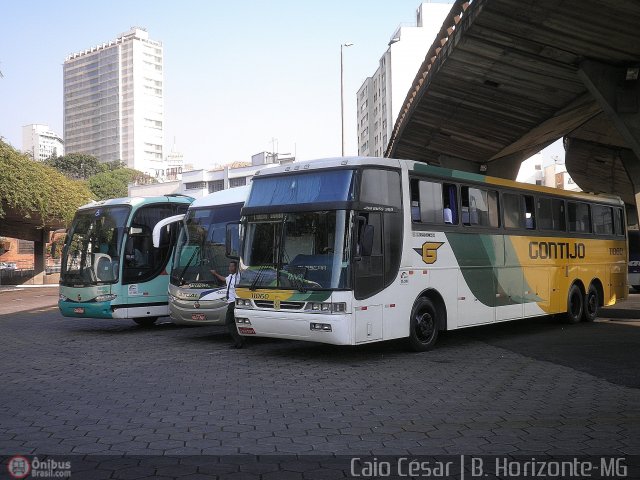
(102, 387)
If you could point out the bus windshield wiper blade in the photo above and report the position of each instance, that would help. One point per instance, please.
(258, 276)
(301, 279)
(184, 270)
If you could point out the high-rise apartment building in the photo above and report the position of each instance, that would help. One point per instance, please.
(41, 142)
(113, 102)
(380, 97)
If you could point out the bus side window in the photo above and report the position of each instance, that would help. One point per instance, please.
(450, 202)
(479, 207)
(579, 217)
(433, 202)
(431, 209)
(529, 213)
(513, 212)
(415, 200)
(551, 214)
(619, 221)
(602, 220)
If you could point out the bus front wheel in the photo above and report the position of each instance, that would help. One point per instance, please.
(591, 304)
(423, 326)
(575, 305)
(146, 322)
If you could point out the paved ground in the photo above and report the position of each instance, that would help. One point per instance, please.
(100, 387)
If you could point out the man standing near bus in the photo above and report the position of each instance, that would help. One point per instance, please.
(230, 321)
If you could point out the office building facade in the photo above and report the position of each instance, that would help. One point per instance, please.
(380, 96)
(113, 102)
(40, 142)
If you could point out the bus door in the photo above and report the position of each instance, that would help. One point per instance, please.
(369, 277)
(144, 271)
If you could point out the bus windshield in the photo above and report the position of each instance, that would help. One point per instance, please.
(201, 246)
(302, 188)
(302, 251)
(92, 249)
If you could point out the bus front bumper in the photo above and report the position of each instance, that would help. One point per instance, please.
(208, 313)
(85, 309)
(322, 328)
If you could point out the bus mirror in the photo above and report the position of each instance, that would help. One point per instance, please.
(135, 231)
(128, 248)
(366, 241)
(232, 240)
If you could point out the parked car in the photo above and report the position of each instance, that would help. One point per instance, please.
(8, 266)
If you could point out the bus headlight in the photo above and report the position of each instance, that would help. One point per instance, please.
(243, 303)
(327, 307)
(62, 298)
(105, 298)
(242, 321)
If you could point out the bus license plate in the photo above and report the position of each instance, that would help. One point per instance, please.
(198, 316)
(78, 310)
(246, 331)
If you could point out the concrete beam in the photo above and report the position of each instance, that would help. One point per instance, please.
(455, 163)
(618, 94)
(22, 231)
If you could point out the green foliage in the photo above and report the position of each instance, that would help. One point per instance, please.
(78, 165)
(113, 183)
(35, 189)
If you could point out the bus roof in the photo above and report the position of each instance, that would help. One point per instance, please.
(138, 201)
(223, 197)
(435, 171)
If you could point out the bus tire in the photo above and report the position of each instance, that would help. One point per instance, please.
(146, 321)
(591, 305)
(575, 305)
(423, 325)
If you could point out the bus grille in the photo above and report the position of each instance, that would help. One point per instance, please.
(283, 305)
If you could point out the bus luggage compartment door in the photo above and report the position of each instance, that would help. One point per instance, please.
(368, 323)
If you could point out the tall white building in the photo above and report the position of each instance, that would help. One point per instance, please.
(113, 101)
(380, 97)
(41, 142)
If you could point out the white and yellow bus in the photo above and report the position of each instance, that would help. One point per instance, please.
(355, 250)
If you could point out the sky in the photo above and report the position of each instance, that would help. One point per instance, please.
(239, 77)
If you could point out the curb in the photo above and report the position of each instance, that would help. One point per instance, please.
(629, 313)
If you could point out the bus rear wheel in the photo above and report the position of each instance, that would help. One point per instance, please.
(423, 326)
(591, 305)
(575, 305)
(146, 322)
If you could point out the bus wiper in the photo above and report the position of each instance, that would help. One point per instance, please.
(184, 270)
(281, 250)
(258, 276)
(300, 280)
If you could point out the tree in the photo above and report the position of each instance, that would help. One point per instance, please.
(37, 190)
(113, 183)
(77, 165)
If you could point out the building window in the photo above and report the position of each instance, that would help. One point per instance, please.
(195, 185)
(216, 186)
(25, 247)
(237, 182)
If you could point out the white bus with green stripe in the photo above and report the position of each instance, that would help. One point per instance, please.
(349, 251)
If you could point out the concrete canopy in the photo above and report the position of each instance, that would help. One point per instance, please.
(506, 78)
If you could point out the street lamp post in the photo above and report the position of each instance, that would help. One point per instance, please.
(342, 92)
